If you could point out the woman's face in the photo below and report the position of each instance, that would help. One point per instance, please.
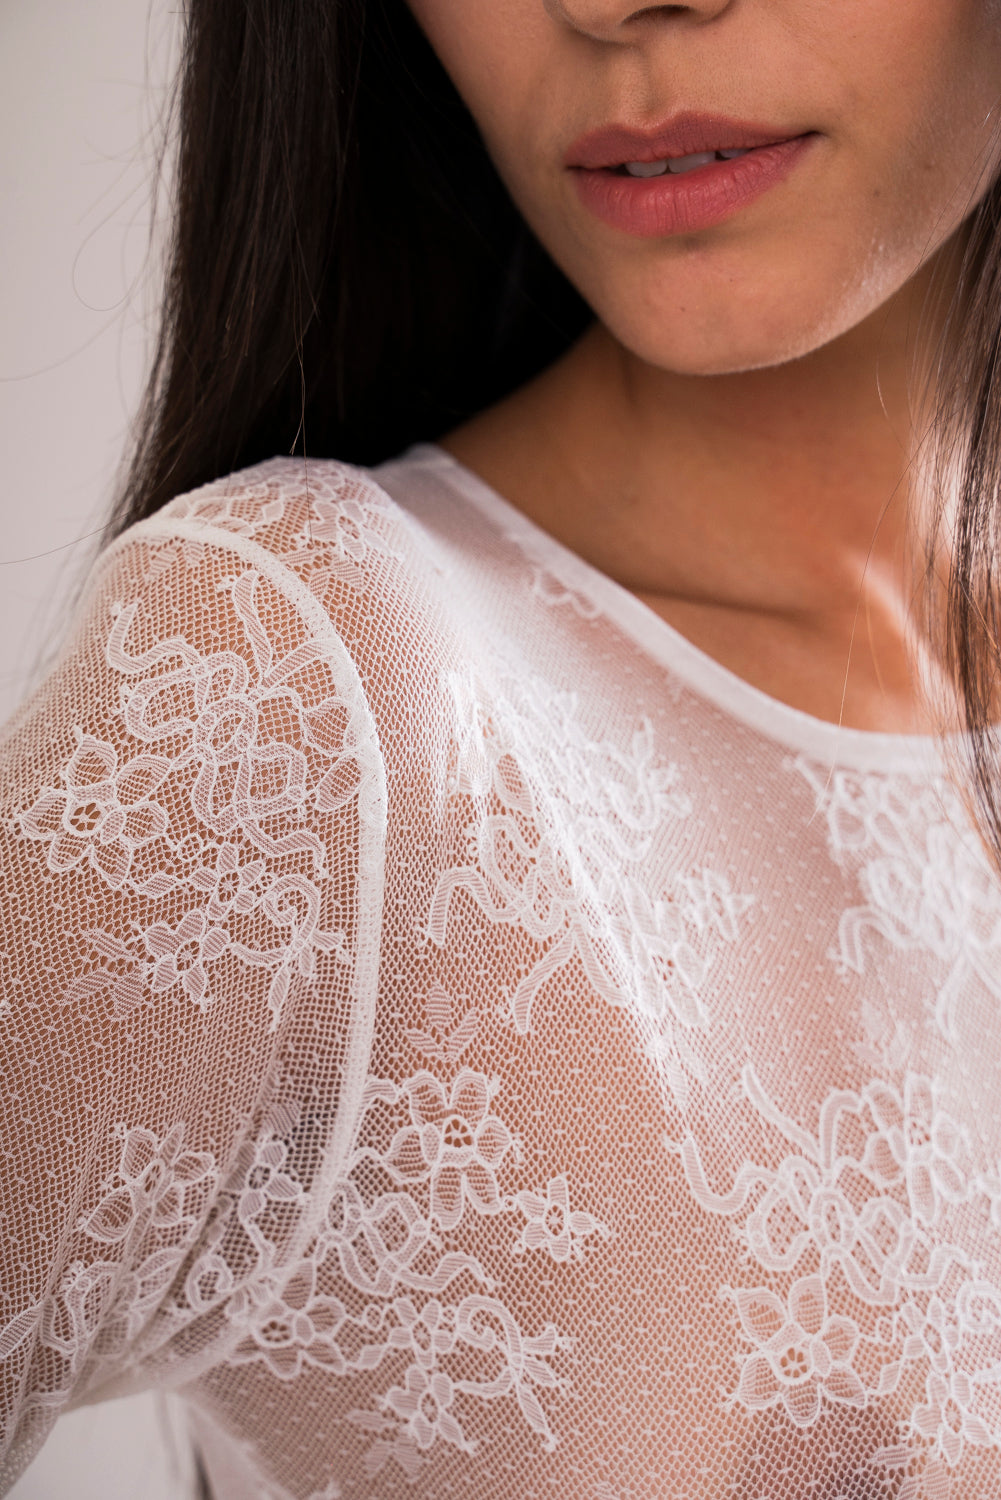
(882, 115)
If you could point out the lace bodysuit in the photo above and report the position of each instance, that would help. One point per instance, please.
(471, 1045)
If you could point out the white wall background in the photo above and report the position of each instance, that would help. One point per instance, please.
(80, 83)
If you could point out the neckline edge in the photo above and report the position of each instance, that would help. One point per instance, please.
(833, 744)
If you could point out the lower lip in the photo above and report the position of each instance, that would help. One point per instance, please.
(686, 202)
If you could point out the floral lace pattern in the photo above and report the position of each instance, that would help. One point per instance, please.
(926, 881)
(462, 1059)
(864, 1203)
(568, 871)
(209, 714)
(102, 812)
(445, 1154)
(148, 1212)
(330, 530)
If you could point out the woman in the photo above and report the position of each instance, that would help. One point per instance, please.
(501, 983)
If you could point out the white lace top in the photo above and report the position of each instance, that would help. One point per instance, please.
(474, 1046)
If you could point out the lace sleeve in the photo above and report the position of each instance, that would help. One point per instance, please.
(192, 825)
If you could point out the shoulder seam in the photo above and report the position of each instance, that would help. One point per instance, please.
(272, 567)
(371, 829)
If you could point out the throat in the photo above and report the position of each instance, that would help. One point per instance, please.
(860, 674)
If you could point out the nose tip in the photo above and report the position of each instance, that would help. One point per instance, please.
(608, 20)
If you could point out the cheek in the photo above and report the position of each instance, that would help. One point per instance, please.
(927, 147)
(498, 54)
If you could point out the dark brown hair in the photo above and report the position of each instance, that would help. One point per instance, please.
(960, 526)
(347, 273)
(309, 310)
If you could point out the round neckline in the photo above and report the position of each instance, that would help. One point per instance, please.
(821, 740)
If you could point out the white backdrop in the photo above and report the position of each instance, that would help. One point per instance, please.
(79, 87)
(80, 83)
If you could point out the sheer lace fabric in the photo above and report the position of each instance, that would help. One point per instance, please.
(468, 1057)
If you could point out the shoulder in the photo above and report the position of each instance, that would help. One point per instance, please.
(397, 568)
(363, 570)
(285, 505)
(321, 530)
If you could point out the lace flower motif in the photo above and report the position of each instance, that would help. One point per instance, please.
(454, 1142)
(801, 1356)
(927, 883)
(424, 1405)
(552, 1225)
(289, 1328)
(266, 1183)
(427, 1335)
(181, 954)
(352, 531)
(924, 1143)
(104, 812)
(350, 525)
(947, 1416)
(230, 886)
(159, 1185)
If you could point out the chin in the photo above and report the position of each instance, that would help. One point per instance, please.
(698, 351)
(708, 316)
(731, 341)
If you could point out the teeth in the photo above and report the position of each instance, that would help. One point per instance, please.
(646, 168)
(691, 163)
(677, 164)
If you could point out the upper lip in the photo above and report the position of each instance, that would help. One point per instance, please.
(682, 135)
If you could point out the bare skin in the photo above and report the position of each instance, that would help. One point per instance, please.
(780, 551)
(731, 438)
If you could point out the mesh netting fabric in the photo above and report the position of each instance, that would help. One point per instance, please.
(466, 1059)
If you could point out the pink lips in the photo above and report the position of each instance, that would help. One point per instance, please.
(680, 203)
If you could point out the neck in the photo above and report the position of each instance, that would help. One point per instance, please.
(764, 513)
